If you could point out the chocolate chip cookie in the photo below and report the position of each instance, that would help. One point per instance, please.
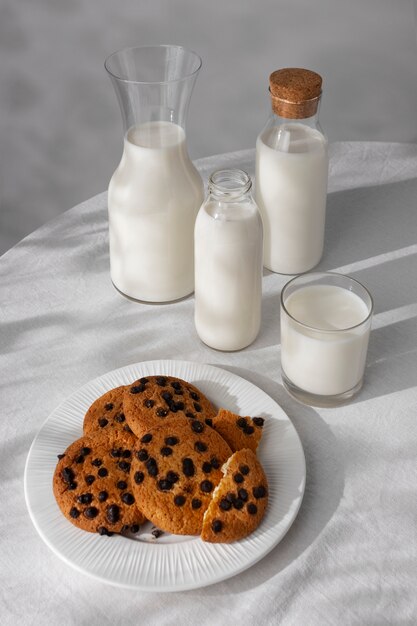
(175, 469)
(106, 413)
(92, 483)
(239, 432)
(239, 502)
(153, 400)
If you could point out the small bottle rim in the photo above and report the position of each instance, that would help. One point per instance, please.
(229, 182)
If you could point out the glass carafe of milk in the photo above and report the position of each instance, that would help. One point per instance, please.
(291, 173)
(155, 193)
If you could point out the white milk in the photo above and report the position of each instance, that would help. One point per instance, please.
(291, 188)
(324, 363)
(228, 275)
(154, 197)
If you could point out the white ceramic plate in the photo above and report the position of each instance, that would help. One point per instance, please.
(171, 562)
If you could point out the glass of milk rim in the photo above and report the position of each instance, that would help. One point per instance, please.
(325, 326)
(155, 193)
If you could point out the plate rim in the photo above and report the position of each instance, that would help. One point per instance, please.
(177, 587)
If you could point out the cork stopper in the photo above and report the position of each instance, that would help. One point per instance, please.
(295, 92)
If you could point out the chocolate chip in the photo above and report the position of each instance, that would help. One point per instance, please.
(120, 418)
(172, 477)
(72, 486)
(167, 396)
(91, 512)
(67, 475)
(127, 498)
(74, 512)
(241, 422)
(206, 486)
(230, 497)
(85, 498)
(166, 451)
(124, 466)
(125, 528)
(149, 403)
(197, 407)
(157, 533)
(146, 438)
(238, 478)
(216, 525)
(109, 406)
(164, 484)
(194, 395)
(134, 528)
(102, 422)
(161, 381)
(243, 494)
(197, 426)
(144, 380)
(97, 462)
(137, 388)
(238, 504)
(190, 415)
(79, 459)
(206, 467)
(244, 469)
(172, 407)
(249, 430)
(142, 454)
(252, 508)
(179, 392)
(171, 441)
(60, 456)
(179, 500)
(89, 479)
(215, 463)
(200, 446)
(102, 472)
(138, 477)
(152, 467)
(225, 505)
(116, 453)
(126, 454)
(121, 484)
(196, 503)
(209, 422)
(84, 451)
(188, 467)
(179, 406)
(102, 530)
(259, 492)
(113, 513)
(258, 421)
(127, 428)
(176, 385)
(161, 412)
(102, 496)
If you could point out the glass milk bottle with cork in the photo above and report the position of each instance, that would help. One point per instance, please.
(291, 173)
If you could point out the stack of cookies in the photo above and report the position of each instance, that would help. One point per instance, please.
(158, 450)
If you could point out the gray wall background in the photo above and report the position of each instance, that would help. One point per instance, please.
(60, 127)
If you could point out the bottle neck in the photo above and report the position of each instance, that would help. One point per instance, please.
(229, 185)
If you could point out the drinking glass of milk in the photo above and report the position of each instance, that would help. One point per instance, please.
(291, 173)
(155, 192)
(228, 263)
(325, 327)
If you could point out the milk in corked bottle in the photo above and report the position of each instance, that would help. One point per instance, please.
(291, 173)
(228, 263)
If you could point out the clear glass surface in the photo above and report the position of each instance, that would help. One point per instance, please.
(325, 326)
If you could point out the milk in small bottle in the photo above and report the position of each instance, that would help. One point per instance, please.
(228, 263)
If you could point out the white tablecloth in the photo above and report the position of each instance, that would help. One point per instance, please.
(350, 557)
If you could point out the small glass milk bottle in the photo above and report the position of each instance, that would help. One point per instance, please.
(291, 173)
(228, 263)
